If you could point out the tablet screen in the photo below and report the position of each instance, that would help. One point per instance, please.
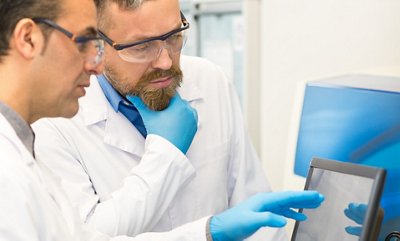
(350, 202)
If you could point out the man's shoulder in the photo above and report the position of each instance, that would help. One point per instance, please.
(9, 149)
(12, 156)
(59, 125)
(9, 141)
(197, 64)
(202, 73)
(196, 60)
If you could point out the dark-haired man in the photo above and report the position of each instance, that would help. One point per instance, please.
(48, 49)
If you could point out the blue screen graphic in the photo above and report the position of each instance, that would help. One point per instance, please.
(354, 125)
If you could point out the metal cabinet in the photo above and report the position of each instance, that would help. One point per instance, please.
(217, 33)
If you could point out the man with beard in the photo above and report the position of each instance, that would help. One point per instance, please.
(125, 178)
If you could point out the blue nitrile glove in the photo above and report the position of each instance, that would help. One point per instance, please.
(261, 210)
(355, 212)
(177, 123)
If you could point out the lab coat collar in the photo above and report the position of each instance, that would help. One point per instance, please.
(189, 89)
(190, 92)
(121, 133)
(8, 131)
(93, 106)
(118, 131)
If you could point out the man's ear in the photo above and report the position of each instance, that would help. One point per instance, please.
(27, 38)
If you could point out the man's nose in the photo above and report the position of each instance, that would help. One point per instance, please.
(95, 69)
(163, 60)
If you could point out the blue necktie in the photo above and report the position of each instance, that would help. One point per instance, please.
(132, 114)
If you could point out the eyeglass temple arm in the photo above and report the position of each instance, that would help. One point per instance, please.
(107, 39)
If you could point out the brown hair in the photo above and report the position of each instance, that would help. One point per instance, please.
(102, 6)
(12, 11)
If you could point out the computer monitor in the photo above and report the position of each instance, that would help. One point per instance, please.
(354, 118)
(350, 209)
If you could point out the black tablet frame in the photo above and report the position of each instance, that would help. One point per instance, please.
(377, 174)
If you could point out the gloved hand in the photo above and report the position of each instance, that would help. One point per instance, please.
(177, 123)
(355, 212)
(261, 210)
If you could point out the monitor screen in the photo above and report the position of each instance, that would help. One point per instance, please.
(352, 193)
(356, 119)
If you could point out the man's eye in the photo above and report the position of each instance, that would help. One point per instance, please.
(83, 46)
(141, 47)
(173, 39)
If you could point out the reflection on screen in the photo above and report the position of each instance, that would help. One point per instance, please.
(329, 222)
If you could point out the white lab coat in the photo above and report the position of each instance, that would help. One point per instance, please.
(99, 150)
(31, 208)
(34, 207)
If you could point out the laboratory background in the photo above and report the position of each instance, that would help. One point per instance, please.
(274, 50)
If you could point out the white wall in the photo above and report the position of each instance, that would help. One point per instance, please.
(252, 73)
(305, 40)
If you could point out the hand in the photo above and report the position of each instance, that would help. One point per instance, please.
(355, 212)
(261, 210)
(177, 123)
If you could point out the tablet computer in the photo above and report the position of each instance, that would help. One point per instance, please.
(350, 210)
